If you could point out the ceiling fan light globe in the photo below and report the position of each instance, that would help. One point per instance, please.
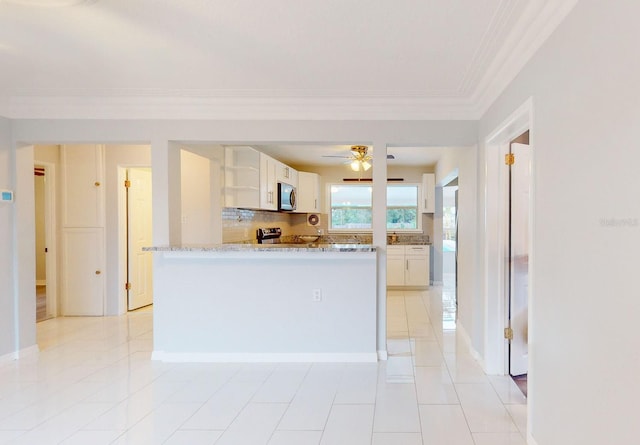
(366, 166)
(355, 166)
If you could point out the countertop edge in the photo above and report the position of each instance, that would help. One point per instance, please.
(265, 248)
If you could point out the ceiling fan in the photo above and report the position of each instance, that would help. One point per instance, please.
(359, 159)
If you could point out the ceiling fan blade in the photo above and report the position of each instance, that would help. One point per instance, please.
(336, 156)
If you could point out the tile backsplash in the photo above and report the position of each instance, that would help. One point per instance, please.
(240, 225)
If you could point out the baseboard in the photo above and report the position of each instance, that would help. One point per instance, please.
(382, 355)
(41, 282)
(212, 357)
(13, 356)
(467, 340)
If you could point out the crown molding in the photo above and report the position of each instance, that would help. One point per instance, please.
(490, 44)
(534, 27)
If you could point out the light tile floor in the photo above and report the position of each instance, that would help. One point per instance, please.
(94, 383)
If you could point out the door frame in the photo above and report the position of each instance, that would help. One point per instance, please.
(50, 237)
(510, 240)
(496, 261)
(122, 234)
(496, 247)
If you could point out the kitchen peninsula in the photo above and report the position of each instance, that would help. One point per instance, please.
(265, 303)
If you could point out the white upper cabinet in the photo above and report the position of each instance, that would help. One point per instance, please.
(251, 178)
(83, 190)
(428, 201)
(268, 183)
(286, 174)
(308, 193)
(242, 177)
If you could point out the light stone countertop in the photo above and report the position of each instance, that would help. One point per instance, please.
(312, 247)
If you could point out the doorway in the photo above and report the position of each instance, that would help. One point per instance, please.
(449, 254)
(519, 164)
(137, 222)
(45, 271)
(496, 239)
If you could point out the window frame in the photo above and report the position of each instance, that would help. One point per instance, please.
(329, 204)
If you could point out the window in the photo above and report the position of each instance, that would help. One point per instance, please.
(351, 207)
(402, 207)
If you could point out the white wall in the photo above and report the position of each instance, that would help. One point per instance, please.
(7, 339)
(584, 362)
(197, 227)
(24, 249)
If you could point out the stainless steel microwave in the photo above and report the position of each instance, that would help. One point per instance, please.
(286, 197)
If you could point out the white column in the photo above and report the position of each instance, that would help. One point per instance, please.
(380, 237)
(165, 167)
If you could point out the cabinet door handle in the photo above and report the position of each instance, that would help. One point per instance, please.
(407, 264)
(315, 204)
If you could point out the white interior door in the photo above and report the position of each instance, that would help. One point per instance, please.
(519, 270)
(83, 233)
(140, 264)
(83, 277)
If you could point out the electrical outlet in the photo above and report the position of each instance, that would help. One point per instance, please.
(316, 294)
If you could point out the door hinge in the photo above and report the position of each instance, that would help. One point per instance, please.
(508, 333)
(127, 183)
(509, 159)
(127, 286)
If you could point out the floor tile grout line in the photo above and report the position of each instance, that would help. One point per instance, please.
(306, 374)
(415, 382)
(455, 389)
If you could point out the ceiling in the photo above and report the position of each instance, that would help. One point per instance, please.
(330, 59)
(328, 155)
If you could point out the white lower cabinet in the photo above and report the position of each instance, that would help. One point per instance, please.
(395, 266)
(408, 265)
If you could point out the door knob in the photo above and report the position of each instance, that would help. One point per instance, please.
(97, 184)
(98, 272)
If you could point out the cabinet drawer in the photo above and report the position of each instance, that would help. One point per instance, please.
(416, 250)
(395, 250)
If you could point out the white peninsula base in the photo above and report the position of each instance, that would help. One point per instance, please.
(265, 306)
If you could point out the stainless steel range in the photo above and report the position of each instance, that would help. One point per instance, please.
(269, 235)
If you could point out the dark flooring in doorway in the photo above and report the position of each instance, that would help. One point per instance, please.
(41, 303)
(521, 381)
